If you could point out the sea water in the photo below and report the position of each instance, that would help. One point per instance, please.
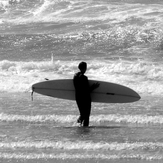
(121, 41)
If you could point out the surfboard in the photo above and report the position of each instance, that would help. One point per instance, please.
(106, 93)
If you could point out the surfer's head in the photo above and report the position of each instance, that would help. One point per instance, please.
(82, 67)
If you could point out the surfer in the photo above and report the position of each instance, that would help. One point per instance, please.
(82, 94)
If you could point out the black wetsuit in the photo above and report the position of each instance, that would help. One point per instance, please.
(83, 98)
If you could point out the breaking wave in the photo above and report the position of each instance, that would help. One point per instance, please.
(143, 77)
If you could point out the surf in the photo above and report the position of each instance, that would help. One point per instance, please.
(108, 151)
(81, 145)
(64, 156)
(51, 13)
(95, 119)
(19, 76)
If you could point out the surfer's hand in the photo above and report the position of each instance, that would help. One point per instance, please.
(95, 85)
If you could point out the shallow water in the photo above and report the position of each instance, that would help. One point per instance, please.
(46, 129)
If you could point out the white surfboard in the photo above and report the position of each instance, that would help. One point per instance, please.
(105, 93)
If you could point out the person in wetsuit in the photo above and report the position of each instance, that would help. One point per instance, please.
(82, 94)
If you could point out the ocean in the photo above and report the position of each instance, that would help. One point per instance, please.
(121, 41)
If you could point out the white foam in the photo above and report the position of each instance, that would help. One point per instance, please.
(131, 119)
(108, 151)
(82, 145)
(139, 119)
(4, 3)
(143, 77)
(63, 156)
(42, 8)
(37, 118)
(48, 11)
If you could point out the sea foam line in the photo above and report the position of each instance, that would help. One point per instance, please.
(138, 119)
(64, 156)
(141, 119)
(82, 145)
(37, 118)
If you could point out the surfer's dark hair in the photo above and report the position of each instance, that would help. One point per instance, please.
(82, 65)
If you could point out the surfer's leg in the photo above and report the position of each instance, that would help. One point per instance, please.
(87, 115)
(81, 117)
(84, 109)
(86, 122)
